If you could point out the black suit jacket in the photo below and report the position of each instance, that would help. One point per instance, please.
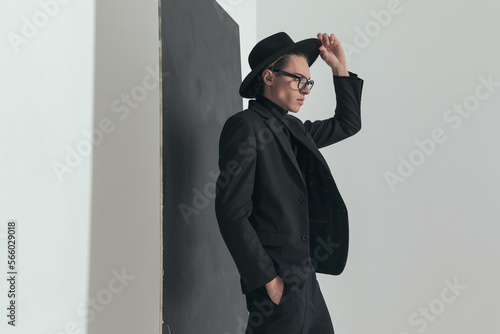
(276, 211)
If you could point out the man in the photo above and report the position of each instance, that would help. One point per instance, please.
(278, 208)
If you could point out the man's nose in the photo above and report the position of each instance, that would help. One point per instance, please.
(305, 90)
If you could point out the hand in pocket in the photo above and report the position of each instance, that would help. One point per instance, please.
(275, 290)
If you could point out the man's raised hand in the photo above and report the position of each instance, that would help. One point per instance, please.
(333, 54)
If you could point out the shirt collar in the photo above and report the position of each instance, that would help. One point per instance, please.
(275, 109)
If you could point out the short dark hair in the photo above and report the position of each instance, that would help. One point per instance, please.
(278, 64)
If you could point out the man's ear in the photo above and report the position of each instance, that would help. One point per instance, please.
(267, 77)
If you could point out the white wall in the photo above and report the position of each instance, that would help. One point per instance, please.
(243, 12)
(47, 88)
(98, 215)
(438, 225)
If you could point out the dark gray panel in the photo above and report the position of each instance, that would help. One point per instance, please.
(202, 73)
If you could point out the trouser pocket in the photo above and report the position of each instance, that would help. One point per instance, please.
(284, 295)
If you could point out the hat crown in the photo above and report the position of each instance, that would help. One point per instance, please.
(267, 47)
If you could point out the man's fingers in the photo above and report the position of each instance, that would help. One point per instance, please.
(326, 39)
(321, 37)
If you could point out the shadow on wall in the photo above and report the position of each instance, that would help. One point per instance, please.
(125, 260)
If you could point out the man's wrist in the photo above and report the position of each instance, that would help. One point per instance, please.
(340, 71)
(271, 282)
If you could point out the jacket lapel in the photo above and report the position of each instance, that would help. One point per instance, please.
(296, 131)
(275, 126)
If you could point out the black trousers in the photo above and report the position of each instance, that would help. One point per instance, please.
(300, 310)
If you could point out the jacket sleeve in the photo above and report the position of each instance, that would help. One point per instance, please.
(347, 119)
(233, 203)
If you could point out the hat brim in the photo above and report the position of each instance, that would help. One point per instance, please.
(309, 47)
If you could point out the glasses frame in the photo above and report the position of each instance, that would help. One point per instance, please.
(308, 82)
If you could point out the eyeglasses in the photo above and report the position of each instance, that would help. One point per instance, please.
(303, 82)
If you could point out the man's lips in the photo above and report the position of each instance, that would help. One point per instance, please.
(301, 101)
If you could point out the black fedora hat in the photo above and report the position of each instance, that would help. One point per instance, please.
(271, 48)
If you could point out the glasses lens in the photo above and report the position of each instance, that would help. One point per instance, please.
(311, 84)
(302, 83)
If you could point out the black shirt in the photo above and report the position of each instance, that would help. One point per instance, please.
(275, 109)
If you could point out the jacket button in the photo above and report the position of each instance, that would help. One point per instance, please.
(302, 200)
(305, 237)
